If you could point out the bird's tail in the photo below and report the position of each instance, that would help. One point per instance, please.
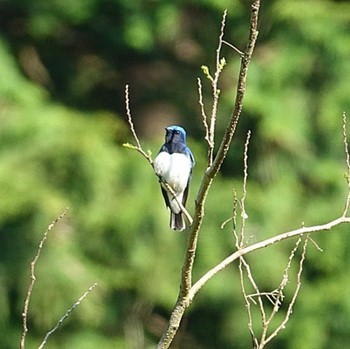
(177, 221)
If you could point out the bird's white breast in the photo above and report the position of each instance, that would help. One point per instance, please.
(174, 168)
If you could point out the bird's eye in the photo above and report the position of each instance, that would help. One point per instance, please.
(177, 132)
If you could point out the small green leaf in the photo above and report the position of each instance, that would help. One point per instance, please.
(129, 146)
(222, 63)
(205, 70)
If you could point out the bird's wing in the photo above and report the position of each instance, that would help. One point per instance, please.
(166, 197)
(184, 198)
(189, 153)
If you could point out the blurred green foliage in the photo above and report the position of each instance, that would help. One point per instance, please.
(63, 69)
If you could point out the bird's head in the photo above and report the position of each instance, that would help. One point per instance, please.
(175, 134)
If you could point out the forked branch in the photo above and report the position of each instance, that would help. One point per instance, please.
(186, 289)
(33, 279)
(31, 286)
(262, 244)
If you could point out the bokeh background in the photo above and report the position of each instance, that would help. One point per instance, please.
(63, 69)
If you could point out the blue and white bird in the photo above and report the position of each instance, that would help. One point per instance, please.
(173, 165)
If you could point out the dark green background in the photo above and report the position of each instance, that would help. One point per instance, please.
(63, 69)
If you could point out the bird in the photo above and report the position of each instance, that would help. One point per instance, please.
(173, 165)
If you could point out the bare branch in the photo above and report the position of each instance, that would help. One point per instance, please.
(204, 115)
(65, 316)
(33, 279)
(316, 244)
(285, 279)
(138, 147)
(279, 295)
(275, 297)
(128, 113)
(295, 295)
(347, 175)
(247, 298)
(245, 179)
(243, 263)
(241, 87)
(233, 47)
(220, 63)
(262, 244)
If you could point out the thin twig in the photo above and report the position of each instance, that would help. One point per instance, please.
(270, 296)
(204, 115)
(65, 316)
(295, 295)
(220, 63)
(128, 113)
(138, 146)
(33, 279)
(245, 179)
(241, 88)
(233, 47)
(315, 244)
(285, 277)
(280, 296)
(246, 298)
(234, 219)
(346, 149)
(276, 297)
(223, 224)
(243, 262)
(247, 305)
